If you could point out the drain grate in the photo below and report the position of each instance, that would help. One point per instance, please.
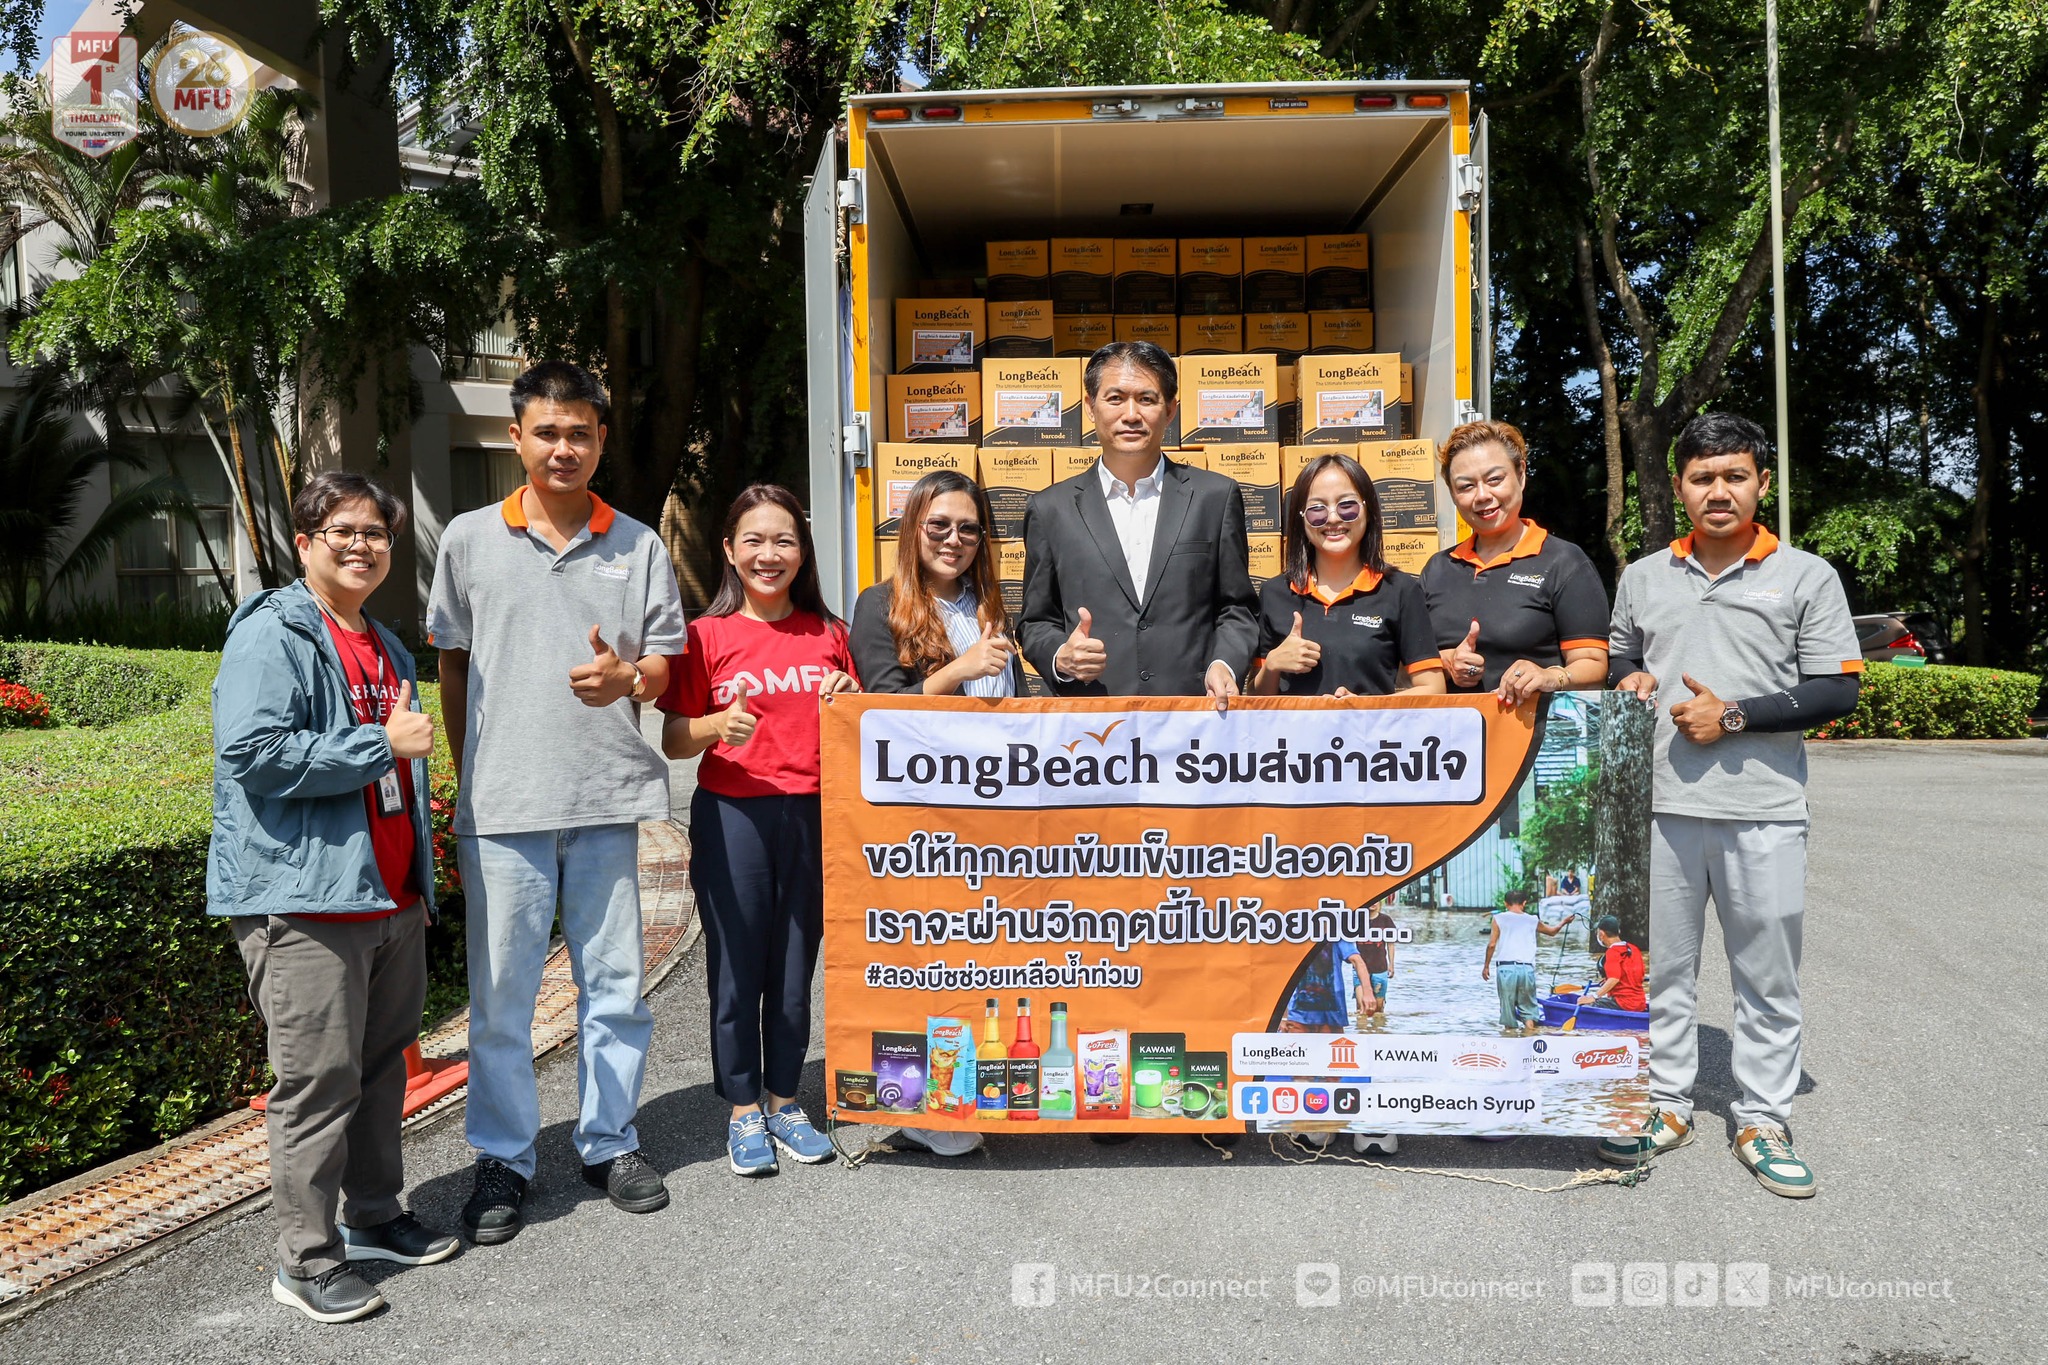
(50, 1240)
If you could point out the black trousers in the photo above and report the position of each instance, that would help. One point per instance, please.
(756, 864)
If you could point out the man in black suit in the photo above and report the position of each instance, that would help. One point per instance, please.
(1135, 577)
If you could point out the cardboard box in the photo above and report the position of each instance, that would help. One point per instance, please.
(1082, 269)
(935, 407)
(1339, 273)
(1275, 270)
(1265, 557)
(1068, 461)
(1289, 403)
(1019, 330)
(1407, 401)
(1194, 457)
(939, 334)
(1019, 270)
(1010, 574)
(1211, 275)
(1032, 402)
(1147, 275)
(1083, 336)
(1256, 468)
(1295, 458)
(1229, 398)
(1162, 330)
(899, 465)
(1010, 475)
(1346, 399)
(1404, 475)
(1281, 334)
(959, 287)
(885, 558)
(1340, 333)
(1212, 334)
(1410, 550)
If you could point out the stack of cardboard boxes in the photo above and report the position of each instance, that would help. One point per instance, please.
(1273, 337)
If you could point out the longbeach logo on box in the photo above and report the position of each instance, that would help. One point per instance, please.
(1417, 757)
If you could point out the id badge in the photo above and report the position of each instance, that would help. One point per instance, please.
(390, 801)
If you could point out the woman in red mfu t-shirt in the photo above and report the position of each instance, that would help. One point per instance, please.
(746, 696)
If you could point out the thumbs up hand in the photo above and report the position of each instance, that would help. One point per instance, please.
(985, 658)
(1295, 653)
(1082, 657)
(1466, 663)
(410, 732)
(1698, 717)
(605, 679)
(735, 724)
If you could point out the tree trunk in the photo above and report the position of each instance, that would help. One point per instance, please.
(1610, 405)
(1990, 478)
(1621, 823)
(1649, 442)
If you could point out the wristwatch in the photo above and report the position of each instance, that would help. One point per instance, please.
(1732, 719)
(640, 681)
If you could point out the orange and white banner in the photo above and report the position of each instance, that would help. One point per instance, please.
(1137, 913)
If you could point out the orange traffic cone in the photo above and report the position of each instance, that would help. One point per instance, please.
(425, 1081)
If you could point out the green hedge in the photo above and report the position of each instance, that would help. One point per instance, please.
(124, 1017)
(1938, 702)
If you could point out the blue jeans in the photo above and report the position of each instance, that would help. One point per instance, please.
(1516, 983)
(512, 885)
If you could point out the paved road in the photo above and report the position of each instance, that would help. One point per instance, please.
(1921, 1113)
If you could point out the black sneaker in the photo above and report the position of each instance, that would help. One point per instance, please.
(337, 1295)
(492, 1213)
(405, 1239)
(630, 1182)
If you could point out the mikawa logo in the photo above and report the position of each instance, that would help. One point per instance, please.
(1601, 1057)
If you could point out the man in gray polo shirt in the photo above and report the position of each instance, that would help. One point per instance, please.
(1755, 638)
(554, 615)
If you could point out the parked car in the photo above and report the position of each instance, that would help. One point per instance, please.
(1889, 635)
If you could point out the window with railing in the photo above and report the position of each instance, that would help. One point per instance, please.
(493, 356)
(167, 558)
(481, 478)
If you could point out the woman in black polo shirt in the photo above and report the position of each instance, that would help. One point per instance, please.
(1517, 611)
(1340, 621)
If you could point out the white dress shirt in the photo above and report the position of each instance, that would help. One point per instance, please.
(1134, 511)
(962, 618)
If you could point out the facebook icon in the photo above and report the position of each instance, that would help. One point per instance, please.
(1251, 1099)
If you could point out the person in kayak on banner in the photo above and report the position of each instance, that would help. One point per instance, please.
(1621, 966)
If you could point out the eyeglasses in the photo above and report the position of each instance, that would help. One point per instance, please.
(939, 532)
(1347, 510)
(341, 539)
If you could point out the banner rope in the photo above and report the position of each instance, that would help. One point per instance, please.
(1627, 1179)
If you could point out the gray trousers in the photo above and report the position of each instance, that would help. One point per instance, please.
(1756, 873)
(342, 1002)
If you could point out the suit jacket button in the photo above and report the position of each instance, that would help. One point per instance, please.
(1144, 625)
(1145, 675)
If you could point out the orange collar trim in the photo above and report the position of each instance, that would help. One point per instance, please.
(514, 511)
(1531, 543)
(1763, 548)
(1368, 579)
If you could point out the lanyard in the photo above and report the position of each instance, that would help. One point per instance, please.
(366, 705)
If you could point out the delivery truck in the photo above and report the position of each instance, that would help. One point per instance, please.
(1015, 210)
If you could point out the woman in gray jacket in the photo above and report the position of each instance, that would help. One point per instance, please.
(323, 862)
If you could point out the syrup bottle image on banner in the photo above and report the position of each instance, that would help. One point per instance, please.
(1056, 1070)
(1023, 1067)
(992, 1073)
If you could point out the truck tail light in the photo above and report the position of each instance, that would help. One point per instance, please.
(1374, 102)
(938, 113)
(1909, 641)
(891, 114)
(1429, 101)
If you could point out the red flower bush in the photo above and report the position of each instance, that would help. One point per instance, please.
(22, 709)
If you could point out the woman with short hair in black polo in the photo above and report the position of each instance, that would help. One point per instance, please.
(1517, 611)
(1339, 620)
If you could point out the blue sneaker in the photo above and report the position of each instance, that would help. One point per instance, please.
(746, 1143)
(793, 1133)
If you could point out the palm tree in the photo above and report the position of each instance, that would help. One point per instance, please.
(48, 459)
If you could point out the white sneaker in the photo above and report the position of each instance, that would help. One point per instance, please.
(937, 1141)
(1386, 1144)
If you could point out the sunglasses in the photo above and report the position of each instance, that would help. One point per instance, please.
(939, 532)
(1347, 510)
